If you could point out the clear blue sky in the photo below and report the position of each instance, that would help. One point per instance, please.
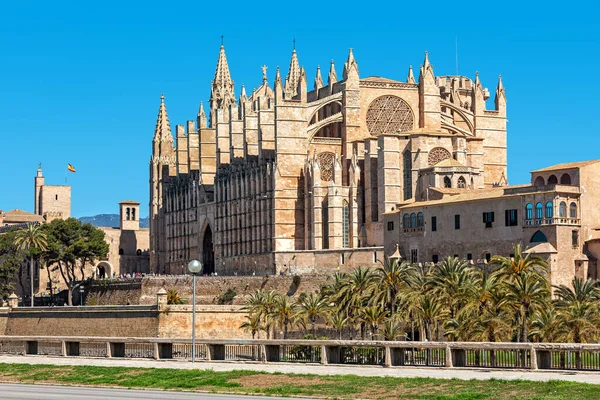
(80, 82)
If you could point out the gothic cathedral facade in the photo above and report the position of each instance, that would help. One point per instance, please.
(288, 179)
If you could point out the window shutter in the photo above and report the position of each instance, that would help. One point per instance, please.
(484, 218)
(506, 217)
(492, 216)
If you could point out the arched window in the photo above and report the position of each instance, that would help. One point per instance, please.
(127, 213)
(539, 181)
(447, 182)
(573, 210)
(462, 183)
(549, 210)
(406, 221)
(345, 227)
(407, 166)
(413, 220)
(539, 211)
(121, 252)
(562, 210)
(133, 214)
(420, 222)
(553, 180)
(325, 220)
(138, 252)
(529, 211)
(565, 179)
(539, 237)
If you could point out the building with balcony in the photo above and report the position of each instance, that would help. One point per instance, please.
(557, 217)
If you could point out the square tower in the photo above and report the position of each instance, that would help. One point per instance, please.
(130, 215)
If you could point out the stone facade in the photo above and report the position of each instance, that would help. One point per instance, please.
(128, 251)
(556, 216)
(288, 179)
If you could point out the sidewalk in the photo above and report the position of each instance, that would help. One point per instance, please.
(317, 369)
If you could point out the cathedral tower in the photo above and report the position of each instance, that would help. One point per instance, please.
(222, 92)
(162, 165)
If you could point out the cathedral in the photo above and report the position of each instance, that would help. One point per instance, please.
(292, 180)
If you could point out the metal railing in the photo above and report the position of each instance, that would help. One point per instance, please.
(548, 356)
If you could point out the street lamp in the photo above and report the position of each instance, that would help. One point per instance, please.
(81, 290)
(195, 268)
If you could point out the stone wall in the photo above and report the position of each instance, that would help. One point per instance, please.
(133, 321)
(207, 290)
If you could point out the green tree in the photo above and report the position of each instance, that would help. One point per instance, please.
(30, 240)
(452, 281)
(310, 309)
(284, 310)
(74, 246)
(372, 317)
(390, 281)
(577, 311)
(520, 263)
(11, 260)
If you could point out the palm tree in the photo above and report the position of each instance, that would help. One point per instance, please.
(373, 316)
(527, 293)
(251, 325)
(452, 281)
(544, 325)
(31, 239)
(310, 309)
(390, 279)
(262, 304)
(577, 311)
(429, 310)
(519, 263)
(392, 329)
(339, 321)
(284, 311)
(356, 292)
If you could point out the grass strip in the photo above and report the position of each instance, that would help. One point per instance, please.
(331, 386)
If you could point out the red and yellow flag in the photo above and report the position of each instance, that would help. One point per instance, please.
(70, 168)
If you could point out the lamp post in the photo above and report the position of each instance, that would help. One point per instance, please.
(81, 290)
(195, 267)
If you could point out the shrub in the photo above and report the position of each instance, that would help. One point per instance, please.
(227, 297)
(173, 297)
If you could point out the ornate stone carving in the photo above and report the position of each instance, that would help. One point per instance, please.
(389, 114)
(326, 166)
(437, 154)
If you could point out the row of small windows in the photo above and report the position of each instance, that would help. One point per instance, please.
(511, 218)
(461, 183)
(122, 252)
(565, 179)
(548, 210)
(416, 220)
(130, 214)
(411, 221)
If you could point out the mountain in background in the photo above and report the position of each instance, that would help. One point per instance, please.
(111, 221)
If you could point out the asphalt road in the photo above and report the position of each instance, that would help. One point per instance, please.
(45, 392)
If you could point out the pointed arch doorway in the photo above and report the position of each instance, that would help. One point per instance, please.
(208, 253)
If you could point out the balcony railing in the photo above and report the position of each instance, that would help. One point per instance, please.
(552, 221)
(549, 356)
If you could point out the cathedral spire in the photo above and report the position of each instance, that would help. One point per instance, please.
(500, 100)
(222, 93)
(162, 132)
(318, 79)
(426, 74)
(278, 88)
(243, 95)
(293, 77)
(411, 77)
(332, 78)
(350, 67)
(201, 117)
